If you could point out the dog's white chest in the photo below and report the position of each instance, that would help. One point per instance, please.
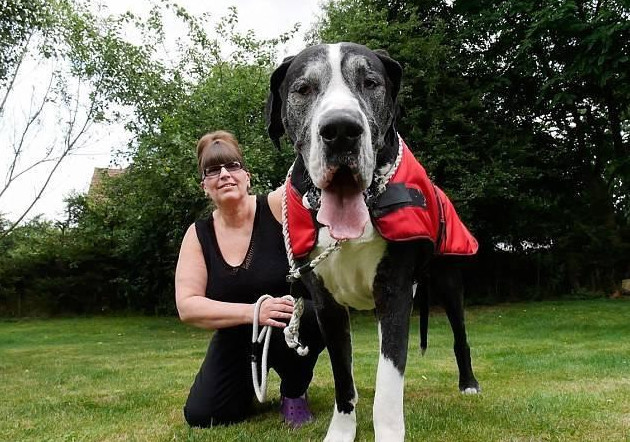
(348, 273)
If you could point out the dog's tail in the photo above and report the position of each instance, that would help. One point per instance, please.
(423, 303)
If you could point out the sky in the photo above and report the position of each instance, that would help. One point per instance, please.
(267, 18)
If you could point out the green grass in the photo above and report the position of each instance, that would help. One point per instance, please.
(557, 371)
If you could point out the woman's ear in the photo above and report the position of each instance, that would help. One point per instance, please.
(203, 188)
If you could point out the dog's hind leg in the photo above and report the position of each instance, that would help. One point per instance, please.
(334, 322)
(421, 299)
(446, 281)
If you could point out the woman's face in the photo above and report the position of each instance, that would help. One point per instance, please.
(226, 183)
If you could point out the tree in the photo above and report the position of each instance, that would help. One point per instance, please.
(158, 197)
(561, 71)
(132, 231)
(504, 105)
(146, 210)
(72, 60)
(18, 21)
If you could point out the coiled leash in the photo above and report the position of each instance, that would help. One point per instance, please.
(291, 331)
(260, 388)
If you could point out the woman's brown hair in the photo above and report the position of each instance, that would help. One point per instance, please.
(218, 147)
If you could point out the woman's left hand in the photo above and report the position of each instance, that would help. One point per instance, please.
(273, 311)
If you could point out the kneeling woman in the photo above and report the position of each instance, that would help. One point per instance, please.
(225, 264)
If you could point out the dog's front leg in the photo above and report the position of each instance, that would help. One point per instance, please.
(334, 322)
(394, 301)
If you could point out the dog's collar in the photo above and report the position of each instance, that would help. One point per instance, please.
(312, 199)
(381, 179)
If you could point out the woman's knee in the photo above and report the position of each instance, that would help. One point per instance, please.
(206, 417)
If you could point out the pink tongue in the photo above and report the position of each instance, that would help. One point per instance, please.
(343, 209)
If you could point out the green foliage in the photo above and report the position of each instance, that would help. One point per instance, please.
(146, 211)
(66, 30)
(134, 224)
(159, 196)
(519, 110)
(551, 68)
(19, 20)
(46, 268)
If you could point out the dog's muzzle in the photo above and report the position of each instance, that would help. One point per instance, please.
(341, 131)
(342, 208)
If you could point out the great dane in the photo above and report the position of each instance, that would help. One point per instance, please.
(337, 105)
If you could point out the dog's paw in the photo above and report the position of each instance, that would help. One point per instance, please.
(471, 390)
(469, 386)
(342, 428)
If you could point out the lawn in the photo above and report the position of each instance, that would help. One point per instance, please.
(557, 371)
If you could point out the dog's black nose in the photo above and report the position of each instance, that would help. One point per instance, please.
(340, 130)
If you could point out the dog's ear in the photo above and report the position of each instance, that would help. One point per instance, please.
(273, 108)
(393, 68)
(394, 74)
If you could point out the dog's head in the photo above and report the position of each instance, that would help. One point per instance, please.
(336, 103)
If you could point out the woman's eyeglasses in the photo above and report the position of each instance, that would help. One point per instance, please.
(214, 171)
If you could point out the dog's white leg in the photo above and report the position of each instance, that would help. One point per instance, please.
(343, 426)
(389, 423)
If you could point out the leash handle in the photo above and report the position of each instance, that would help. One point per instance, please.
(260, 388)
(291, 337)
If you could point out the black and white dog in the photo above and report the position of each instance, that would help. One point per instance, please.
(336, 103)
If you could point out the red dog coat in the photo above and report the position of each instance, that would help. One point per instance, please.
(410, 208)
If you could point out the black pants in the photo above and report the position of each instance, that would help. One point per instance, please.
(223, 392)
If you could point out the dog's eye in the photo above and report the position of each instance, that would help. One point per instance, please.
(370, 83)
(303, 89)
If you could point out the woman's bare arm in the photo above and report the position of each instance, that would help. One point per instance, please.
(191, 278)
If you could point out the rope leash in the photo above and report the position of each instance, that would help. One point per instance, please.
(292, 331)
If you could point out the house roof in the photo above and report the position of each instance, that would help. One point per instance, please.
(97, 178)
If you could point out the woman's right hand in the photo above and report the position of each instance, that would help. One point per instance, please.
(275, 312)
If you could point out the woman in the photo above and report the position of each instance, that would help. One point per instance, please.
(225, 264)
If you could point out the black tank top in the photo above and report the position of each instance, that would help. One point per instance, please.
(264, 269)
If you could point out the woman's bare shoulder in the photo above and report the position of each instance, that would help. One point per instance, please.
(275, 203)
